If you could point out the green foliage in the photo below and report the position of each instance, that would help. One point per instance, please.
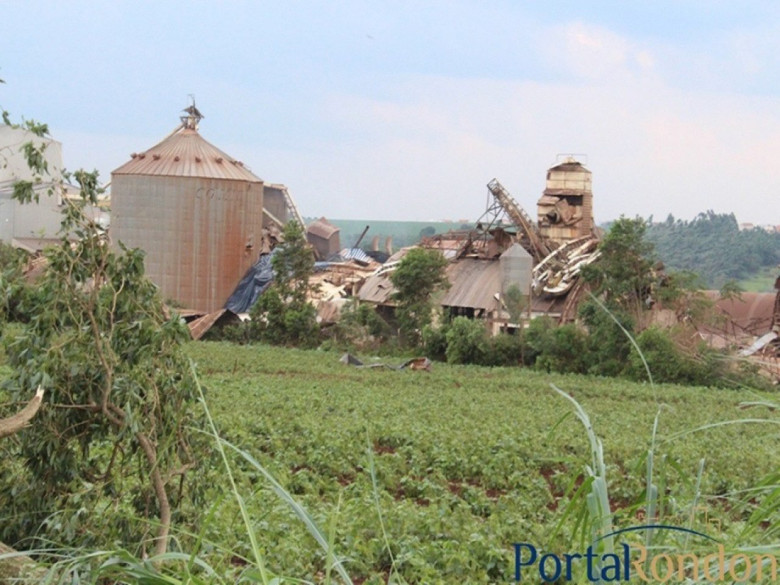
(607, 346)
(623, 273)
(515, 302)
(506, 350)
(434, 341)
(467, 342)
(670, 363)
(557, 348)
(12, 283)
(466, 459)
(419, 275)
(112, 442)
(731, 290)
(713, 246)
(283, 315)
(361, 328)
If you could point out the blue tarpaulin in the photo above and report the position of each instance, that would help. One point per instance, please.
(255, 281)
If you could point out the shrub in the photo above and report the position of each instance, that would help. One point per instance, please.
(506, 350)
(434, 340)
(467, 342)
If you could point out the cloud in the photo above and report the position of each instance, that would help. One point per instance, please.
(594, 54)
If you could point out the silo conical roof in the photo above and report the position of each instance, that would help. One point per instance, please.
(185, 153)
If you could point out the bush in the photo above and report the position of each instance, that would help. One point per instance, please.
(467, 342)
(672, 362)
(360, 327)
(434, 341)
(506, 350)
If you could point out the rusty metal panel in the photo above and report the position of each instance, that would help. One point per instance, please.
(185, 153)
(751, 314)
(200, 234)
(324, 236)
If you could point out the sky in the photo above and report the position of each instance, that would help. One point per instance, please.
(405, 110)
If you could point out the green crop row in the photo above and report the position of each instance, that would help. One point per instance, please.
(467, 461)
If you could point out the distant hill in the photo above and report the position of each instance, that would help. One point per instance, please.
(713, 246)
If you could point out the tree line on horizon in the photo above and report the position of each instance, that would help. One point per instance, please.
(712, 246)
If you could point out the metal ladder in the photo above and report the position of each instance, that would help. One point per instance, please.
(292, 208)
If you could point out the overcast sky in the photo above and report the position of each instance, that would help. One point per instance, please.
(405, 110)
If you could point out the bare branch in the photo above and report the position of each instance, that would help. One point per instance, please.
(13, 424)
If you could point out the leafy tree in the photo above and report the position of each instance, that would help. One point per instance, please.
(120, 400)
(623, 274)
(283, 315)
(418, 276)
(360, 327)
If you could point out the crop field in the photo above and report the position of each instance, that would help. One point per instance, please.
(434, 475)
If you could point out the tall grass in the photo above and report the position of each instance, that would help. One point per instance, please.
(591, 504)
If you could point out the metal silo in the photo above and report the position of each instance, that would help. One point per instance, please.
(516, 266)
(194, 210)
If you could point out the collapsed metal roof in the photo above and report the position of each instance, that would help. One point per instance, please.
(474, 284)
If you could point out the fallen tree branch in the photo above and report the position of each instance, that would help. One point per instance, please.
(12, 424)
(18, 568)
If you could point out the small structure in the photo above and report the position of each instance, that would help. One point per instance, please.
(194, 210)
(565, 209)
(29, 225)
(324, 237)
(274, 205)
(33, 226)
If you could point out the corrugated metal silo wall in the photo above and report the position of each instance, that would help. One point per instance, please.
(273, 201)
(196, 233)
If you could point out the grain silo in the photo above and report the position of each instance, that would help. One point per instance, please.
(194, 210)
(565, 210)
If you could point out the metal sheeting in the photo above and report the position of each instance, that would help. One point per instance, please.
(200, 235)
(474, 284)
(516, 266)
(185, 153)
(752, 314)
(378, 289)
(352, 254)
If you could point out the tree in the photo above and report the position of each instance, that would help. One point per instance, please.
(623, 273)
(115, 426)
(283, 314)
(420, 273)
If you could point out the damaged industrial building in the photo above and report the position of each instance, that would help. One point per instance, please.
(208, 226)
(507, 248)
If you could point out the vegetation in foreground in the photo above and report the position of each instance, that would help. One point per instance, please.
(468, 460)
